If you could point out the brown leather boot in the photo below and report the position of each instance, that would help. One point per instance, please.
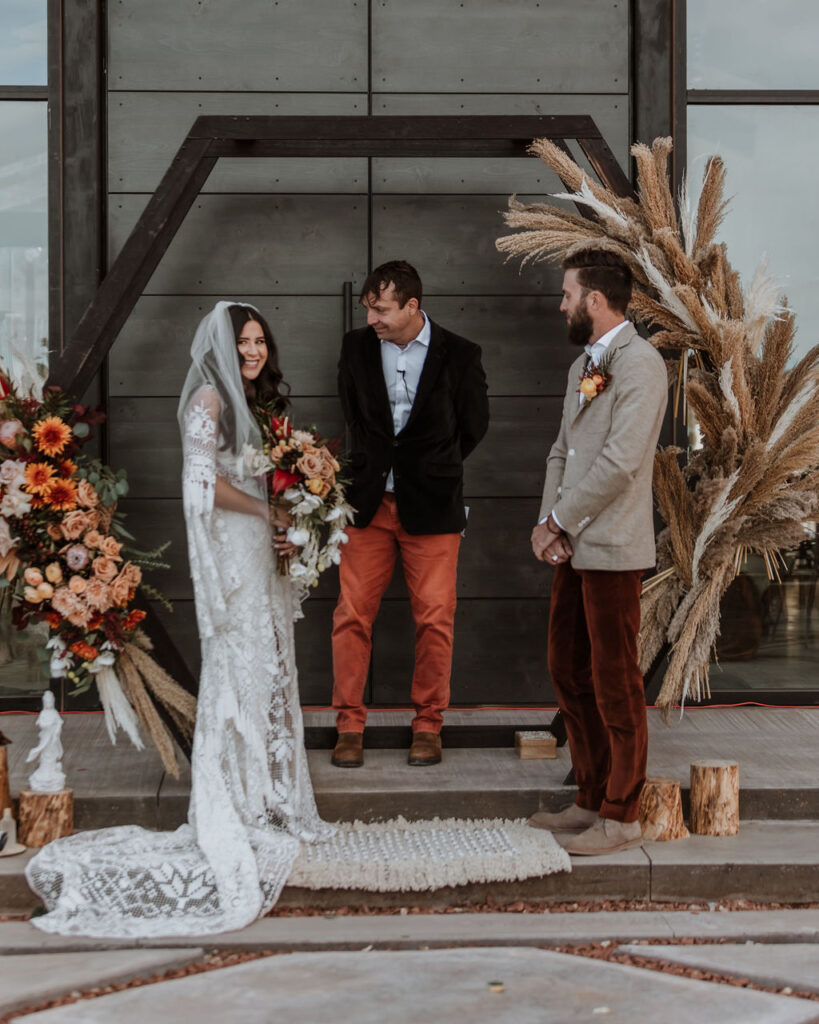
(349, 750)
(425, 749)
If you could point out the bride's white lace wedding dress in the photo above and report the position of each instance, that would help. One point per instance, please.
(251, 798)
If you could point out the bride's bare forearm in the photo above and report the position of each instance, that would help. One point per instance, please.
(229, 497)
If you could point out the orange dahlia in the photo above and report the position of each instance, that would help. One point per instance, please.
(51, 435)
(84, 650)
(38, 477)
(133, 619)
(61, 495)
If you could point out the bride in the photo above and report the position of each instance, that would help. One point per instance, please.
(251, 798)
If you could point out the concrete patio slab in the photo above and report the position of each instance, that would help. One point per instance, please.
(412, 931)
(29, 979)
(773, 965)
(532, 987)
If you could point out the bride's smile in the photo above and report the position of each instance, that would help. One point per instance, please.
(252, 350)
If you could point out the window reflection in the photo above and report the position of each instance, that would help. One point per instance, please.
(23, 41)
(24, 240)
(752, 44)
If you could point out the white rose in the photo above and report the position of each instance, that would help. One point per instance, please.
(7, 542)
(15, 503)
(12, 473)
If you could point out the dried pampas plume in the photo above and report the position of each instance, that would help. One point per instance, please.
(755, 479)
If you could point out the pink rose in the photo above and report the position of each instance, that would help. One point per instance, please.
(8, 432)
(110, 548)
(33, 577)
(132, 574)
(120, 592)
(93, 539)
(86, 495)
(74, 525)
(310, 465)
(76, 584)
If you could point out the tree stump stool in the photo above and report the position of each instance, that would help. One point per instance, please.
(43, 817)
(715, 798)
(661, 816)
(5, 791)
(532, 745)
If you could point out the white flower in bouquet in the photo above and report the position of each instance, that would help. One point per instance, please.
(255, 462)
(15, 503)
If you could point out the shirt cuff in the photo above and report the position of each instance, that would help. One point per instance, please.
(554, 518)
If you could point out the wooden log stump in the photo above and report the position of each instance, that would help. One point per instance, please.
(5, 791)
(661, 816)
(45, 816)
(531, 745)
(714, 798)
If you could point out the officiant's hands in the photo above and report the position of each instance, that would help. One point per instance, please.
(549, 546)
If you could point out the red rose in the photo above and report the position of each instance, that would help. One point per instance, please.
(282, 480)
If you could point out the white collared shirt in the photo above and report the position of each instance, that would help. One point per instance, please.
(402, 366)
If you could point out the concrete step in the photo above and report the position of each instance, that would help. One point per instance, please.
(769, 861)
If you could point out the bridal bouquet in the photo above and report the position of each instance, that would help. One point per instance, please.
(303, 479)
(63, 561)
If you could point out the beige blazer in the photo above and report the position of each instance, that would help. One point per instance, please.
(598, 473)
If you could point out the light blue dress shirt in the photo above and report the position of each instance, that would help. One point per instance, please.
(402, 366)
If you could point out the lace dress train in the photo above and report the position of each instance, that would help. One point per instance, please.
(251, 799)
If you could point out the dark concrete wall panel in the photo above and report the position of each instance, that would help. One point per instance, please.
(152, 354)
(451, 241)
(255, 45)
(514, 46)
(523, 338)
(260, 244)
(145, 129)
(499, 656)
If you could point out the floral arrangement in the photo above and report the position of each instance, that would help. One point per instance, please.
(594, 379)
(63, 559)
(751, 479)
(303, 476)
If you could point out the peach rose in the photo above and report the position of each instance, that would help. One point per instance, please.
(98, 595)
(120, 592)
(326, 487)
(276, 453)
(33, 577)
(76, 584)
(588, 388)
(104, 568)
(86, 495)
(75, 524)
(327, 472)
(54, 572)
(93, 518)
(309, 464)
(132, 574)
(110, 548)
(32, 595)
(55, 532)
(93, 539)
(46, 591)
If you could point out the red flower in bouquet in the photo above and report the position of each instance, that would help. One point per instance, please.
(281, 426)
(5, 390)
(282, 480)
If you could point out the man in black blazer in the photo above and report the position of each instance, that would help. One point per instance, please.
(415, 403)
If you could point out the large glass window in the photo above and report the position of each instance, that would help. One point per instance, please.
(753, 98)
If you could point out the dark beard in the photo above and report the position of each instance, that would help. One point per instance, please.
(580, 327)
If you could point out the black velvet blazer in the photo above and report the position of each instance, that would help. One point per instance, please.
(449, 417)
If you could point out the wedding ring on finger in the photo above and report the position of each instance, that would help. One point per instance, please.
(554, 558)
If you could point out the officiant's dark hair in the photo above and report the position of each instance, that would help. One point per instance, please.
(270, 385)
(604, 272)
(398, 272)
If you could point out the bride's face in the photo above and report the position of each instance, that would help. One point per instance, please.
(252, 350)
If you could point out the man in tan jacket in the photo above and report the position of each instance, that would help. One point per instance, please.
(596, 528)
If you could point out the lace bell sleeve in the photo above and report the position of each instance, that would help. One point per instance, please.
(214, 578)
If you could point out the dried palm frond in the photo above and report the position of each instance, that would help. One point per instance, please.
(755, 479)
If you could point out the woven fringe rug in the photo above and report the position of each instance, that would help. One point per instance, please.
(406, 856)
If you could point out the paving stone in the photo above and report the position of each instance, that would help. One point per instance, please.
(538, 987)
(28, 979)
(770, 964)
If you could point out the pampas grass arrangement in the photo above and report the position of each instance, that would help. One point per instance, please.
(754, 479)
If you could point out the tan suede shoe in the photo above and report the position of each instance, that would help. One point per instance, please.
(425, 749)
(349, 751)
(605, 836)
(570, 819)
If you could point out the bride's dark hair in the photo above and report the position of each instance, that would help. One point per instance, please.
(270, 385)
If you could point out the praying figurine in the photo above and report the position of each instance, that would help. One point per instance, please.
(49, 776)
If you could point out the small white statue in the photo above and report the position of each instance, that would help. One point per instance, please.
(49, 776)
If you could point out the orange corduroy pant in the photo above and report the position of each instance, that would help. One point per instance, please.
(430, 568)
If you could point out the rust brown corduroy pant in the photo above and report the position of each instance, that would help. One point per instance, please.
(430, 568)
(594, 618)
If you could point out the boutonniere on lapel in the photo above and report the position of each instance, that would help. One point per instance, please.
(594, 379)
